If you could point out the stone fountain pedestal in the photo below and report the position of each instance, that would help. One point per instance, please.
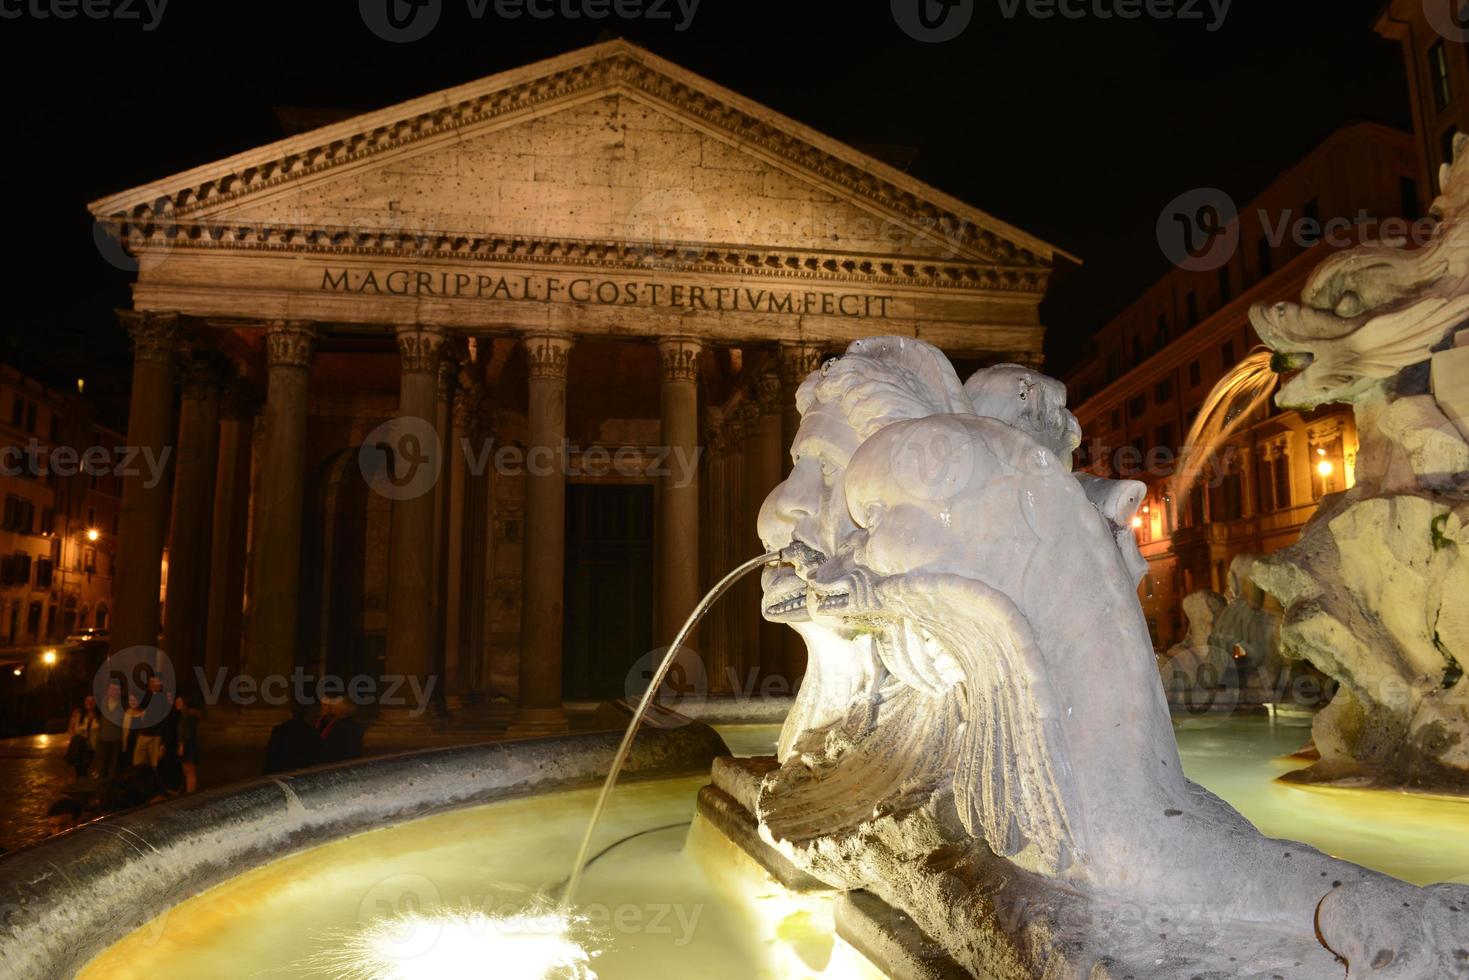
(986, 917)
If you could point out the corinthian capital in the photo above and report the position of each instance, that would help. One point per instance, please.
(679, 357)
(419, 348)
(155, 335)
(767, 391)
(797, 361)
(548, 354)
(288, 343)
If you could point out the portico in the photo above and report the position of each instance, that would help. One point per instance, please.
(600, 274)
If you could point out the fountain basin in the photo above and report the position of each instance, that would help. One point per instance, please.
(121, 873)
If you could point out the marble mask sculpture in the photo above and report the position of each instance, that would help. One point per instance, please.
(981, 739)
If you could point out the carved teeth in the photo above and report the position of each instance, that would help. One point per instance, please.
(789, 604)
(835, 601)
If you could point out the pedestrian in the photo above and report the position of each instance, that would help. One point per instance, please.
(83, 728)
(339, 736)
(292, 743)
(110, 736)
(143, 742)
(63, 815)
(187, 739)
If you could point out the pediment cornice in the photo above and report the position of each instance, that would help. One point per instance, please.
(186, 207)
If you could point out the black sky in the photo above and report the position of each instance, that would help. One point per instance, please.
(1077, 131)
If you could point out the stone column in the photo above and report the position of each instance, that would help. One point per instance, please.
(796, 362)
(448, 384)
(231, 518)
(544, 554)
(144, 508)
(189, 538)
(678, 512)
(458, 528)
(275, 572)
(412, 546)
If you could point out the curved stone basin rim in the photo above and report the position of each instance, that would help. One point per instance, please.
(64, 900)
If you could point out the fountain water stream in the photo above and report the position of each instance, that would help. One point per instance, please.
(1234, 399)
(579, 865)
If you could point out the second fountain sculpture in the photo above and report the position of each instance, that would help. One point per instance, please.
(981, 746)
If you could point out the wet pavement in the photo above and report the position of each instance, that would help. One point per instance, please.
(34, 774)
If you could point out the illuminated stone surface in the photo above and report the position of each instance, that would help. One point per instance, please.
(1374, 590)
(982, 742)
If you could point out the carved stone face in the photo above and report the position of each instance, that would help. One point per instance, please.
(1029, 401)
(810, 507)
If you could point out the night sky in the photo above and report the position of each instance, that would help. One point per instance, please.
(1077, 131)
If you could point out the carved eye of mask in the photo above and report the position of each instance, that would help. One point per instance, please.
(1349, 305)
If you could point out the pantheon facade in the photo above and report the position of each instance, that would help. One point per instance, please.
(578, 296)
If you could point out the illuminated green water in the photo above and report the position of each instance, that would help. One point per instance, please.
(665, 909)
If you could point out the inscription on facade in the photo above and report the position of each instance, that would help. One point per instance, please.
(492, 287)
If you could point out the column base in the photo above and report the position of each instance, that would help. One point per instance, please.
(529, 722)
(404, 721)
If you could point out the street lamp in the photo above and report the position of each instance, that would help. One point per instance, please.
(49, 658)
(93, 534)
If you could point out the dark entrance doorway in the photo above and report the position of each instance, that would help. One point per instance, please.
(609, 587)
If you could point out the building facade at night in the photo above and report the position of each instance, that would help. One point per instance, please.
(1156, 362)
(61, 490)
(488, 386)
(1437, 68)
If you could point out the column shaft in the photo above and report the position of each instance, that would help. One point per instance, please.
(769, 448)
(412, 545)
(275, 574)
(227, 547)
(544, 555)
(458, 662)
(678, 517)
(144, 508)
(190, 537)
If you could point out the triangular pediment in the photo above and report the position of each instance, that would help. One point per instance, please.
(607, 147)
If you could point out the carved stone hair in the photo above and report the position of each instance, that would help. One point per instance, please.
(881, 380)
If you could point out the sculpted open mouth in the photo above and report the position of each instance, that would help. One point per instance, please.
(787, 593)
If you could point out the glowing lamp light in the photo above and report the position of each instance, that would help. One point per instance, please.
(49, 657)
(16, 672)
(1324, 467)
(1137, 522)
(93, 534)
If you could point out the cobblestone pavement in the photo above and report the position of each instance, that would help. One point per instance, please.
(34, 774)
